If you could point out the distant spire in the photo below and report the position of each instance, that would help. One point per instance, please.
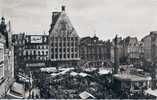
(116, 39)
(63, 8)
(3, 20)
(9, 26)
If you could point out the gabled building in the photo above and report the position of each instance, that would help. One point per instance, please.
(63, 40)
(129, 49)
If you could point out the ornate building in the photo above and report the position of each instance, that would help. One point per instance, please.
(93, 49)
(6, 58)
(129, 49)
(36, 53)
(63, 40)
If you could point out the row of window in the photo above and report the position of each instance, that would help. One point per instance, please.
(64, 38)
(64, 50)
(36, 47)
(56, 56)
(64, 44)
(34, 52)
(35, 58)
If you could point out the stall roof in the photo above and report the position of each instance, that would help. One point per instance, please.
(129, 77)
(63, 71)
(83, 74)
(48, 69)
(151, 92)
(73, 74)
(86, 95)
(104, 71)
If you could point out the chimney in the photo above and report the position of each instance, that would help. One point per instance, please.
(63, 8)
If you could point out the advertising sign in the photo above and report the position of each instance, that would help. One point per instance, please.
(35, 64)
(36, 39)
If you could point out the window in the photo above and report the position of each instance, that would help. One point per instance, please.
(64, 44)
(76, 55)
(68, 44)
(38, 52)
(28, 52)
(1, 60)
(68, 56)
(72, 55)
(46, 52)
(56, 56)
(24, 53)
(60, 56)
(64, 50)
(56, 44)
(60, 44)
(64, 56)
(72, 43)
(52, 50)
(34, 52)
(68, 50)
(60, 50)
(72, 50)
(56, 50)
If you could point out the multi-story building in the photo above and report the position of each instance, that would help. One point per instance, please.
(63, 40)
(129, 49)
(19, 46)
(149, 49)
(93, 49)
(132, 48)
(36, 52)
(6, 58)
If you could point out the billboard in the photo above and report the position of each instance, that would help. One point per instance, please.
(36, 39)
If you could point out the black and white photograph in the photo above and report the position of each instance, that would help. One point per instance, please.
(78, 49)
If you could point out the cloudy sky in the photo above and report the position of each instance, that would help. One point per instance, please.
(105, 18)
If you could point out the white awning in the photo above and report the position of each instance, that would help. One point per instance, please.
(151, 92)
(83, 74)
(86, 95)
(73, 74)
(17, 87)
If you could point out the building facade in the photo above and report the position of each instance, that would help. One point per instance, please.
(149, 48)
(129, 49)
(36, 52)
(6, 58)
(93, 49)
(19, 46)
(63, 40)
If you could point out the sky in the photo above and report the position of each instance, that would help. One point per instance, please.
(105, 18)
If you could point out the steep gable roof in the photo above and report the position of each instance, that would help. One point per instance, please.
(62, 26)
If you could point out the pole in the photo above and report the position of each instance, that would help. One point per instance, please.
(116, 65)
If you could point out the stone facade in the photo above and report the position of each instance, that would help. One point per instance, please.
(129, 49)
(93, 49)
(63, 40)
(149, 41)
(31, 51)
(36, 52)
